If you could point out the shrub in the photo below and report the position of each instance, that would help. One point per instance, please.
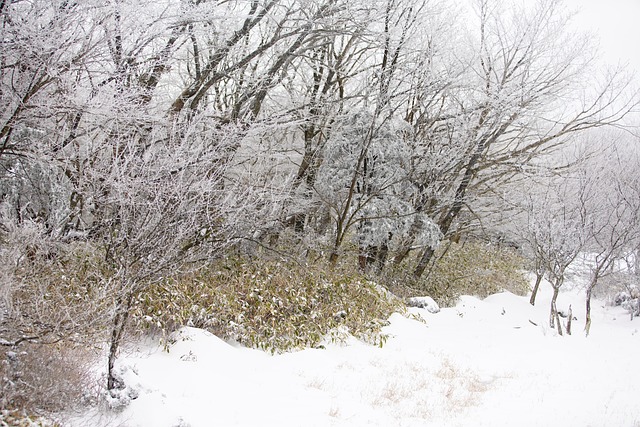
(53, 306)
(41, 379)
(56, 292)
(470, 268)
(17, 418)
(274, 306)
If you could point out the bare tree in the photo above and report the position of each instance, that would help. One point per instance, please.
(525, 67)
(166, 209)
(611, 205)
(552, 227)
(369, 177)
(43, 44)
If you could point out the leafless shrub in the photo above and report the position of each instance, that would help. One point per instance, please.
(43, 379)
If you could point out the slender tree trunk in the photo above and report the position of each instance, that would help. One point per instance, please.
(534, 292)
(382, 255)
(427, 255)
(401, 255)
(554, 310)
(409, 239)
(373, 256)
(587, 325)
(592, 284)
(333, 257)
(362, 261)
(569, 319)
(558, 324)
(123, 306)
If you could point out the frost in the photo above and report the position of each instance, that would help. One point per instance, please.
(368, 174)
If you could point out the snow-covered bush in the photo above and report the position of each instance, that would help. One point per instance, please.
(427, 303)
(629, 299)
(274, 306)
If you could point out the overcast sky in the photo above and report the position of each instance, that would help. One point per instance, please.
(617, 22)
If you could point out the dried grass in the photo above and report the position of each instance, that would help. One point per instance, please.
(40, 379)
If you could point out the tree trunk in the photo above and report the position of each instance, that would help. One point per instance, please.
(587, 325)
(558, 324)
(427, 255)
(373, 256)
(382, 255)
(534, 293)
(333, 258)
(569, 319)
(592, 284)
(446, 220)
(554, 310)
(401, 255)
(409, 239)
(123, 305)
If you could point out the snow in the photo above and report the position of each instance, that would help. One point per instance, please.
(491, 362)
(427, 303)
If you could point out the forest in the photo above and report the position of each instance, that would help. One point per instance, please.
(253, 167)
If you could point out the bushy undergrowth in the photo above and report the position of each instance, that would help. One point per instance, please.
(63, 298)
(53, 308)
(274, 306)
(471, 268)
(475, 268)
(38, 379)
(17, 418)
(63, 293)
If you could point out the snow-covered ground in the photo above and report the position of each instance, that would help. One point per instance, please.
(492, 362)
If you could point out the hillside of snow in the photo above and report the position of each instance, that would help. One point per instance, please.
(492, 362)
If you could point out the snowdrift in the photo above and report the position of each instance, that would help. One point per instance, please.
(492, 362)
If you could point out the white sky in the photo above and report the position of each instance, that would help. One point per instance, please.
(617, 23)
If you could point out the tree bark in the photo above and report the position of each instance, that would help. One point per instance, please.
(427, 255)
(408, 240)
(554, 310)
(534, 292)
(592, 284)
(587, 325)
(558, 324)
(123, 305)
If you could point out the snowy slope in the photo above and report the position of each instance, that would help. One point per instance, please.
(481, 363)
